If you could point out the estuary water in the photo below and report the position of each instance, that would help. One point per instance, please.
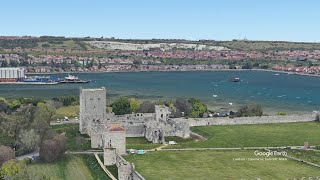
(274, 92)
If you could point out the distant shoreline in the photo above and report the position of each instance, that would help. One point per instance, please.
(196, 70)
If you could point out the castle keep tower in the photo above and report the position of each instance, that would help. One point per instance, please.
(92, 108)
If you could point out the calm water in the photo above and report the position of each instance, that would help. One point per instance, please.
(274, 93)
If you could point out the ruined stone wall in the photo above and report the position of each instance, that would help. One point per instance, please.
(248, 120)
(179, 128)
(137, 176)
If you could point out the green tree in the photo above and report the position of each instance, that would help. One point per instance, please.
(15, 104)
(121, 106)
(134, 104)
(198, 108)
(12, 168)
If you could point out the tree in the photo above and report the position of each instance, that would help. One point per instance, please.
(146, 107)
(183, 105)
(6, 153)
(4, 63)
(247, 65)
(15, 104)
(29, 139)
(51, 150)
(137, 62)
(12, 168)
(14, 63)
(121, 106)
(134, 104)
(198, 108)
(249, 110)
(67, 100)
(3, 105)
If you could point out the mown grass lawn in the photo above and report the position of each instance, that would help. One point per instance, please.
(216, 165)
(69, 168)
(262, 135)
(69, 111)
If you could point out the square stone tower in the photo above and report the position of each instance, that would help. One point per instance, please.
(92, 108)
(162, 113)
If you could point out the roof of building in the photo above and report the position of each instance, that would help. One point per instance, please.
(115, 127)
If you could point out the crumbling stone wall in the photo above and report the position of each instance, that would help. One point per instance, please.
(249, 120)
(109, 156)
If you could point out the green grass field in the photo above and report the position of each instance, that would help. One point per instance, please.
(216, 165)
(139, 143)
(68, 44)
(70, 111)
(69, 168)
(288, 134)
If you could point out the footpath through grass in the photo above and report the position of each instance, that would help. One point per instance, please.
(217, 165)
(262, 135)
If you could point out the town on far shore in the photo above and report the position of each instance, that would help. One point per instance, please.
(49, 54)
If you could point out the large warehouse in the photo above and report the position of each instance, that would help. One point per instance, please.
(11, 74)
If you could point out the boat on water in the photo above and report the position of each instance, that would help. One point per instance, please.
(73, 79)
(235, 79)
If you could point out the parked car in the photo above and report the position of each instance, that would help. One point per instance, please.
(172, 142)
(66, 119)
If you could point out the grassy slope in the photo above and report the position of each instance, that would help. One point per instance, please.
(94, 167)
(71, 167)
(256, 135)
(72, 132)
(310, 156)
(216, 165)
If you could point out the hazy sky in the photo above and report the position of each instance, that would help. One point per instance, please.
(291, 20)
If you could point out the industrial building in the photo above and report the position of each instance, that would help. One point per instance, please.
(11, 74)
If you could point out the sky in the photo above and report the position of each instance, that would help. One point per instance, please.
(285, 20)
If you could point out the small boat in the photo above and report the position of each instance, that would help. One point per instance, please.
(214, 95)
(277, 74)
(73, 79)
(235, 79)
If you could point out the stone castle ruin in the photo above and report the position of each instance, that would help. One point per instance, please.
(108, 130)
